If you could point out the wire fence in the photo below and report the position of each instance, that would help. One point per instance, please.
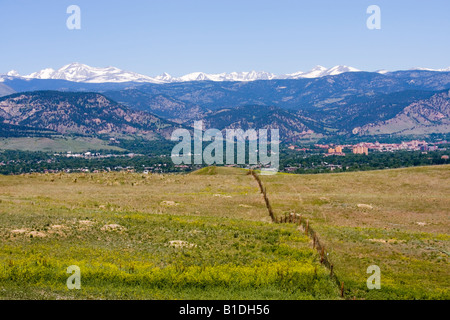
(304, 226)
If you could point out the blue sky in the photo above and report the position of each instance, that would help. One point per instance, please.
(183, 36)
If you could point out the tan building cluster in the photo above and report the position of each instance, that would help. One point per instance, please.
(361, 150)
(336, 151)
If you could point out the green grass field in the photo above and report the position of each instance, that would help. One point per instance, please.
(207, 235)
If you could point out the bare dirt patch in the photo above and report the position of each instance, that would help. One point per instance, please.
(168, 203)
(19, 231)
(113, 227)
(364, 206)
(37, 234)
(86, 222)
(181, 244)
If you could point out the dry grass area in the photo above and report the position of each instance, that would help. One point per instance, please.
(207, 235)
(396, 219)
(199, 236)
(230, 193)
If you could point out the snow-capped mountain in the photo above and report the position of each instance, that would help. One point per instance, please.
(316, 72)
(13, 73)
(428, 69)
(165, 77)
(233, 76)
(320, 71)
(78, 72)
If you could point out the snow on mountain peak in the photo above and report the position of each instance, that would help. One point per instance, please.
(43, 74)
(233, 76)
(319, 71)
(79, 72)
(340, 69)
(165, 77)
(428, 69)
(13, 73)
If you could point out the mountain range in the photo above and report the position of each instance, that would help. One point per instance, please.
(425, 116)
(349, 104)
(79, 113)
(79, 72)
(93, 114)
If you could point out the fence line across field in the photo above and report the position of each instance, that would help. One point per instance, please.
(297, 219)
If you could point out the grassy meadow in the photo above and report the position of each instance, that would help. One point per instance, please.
(207, 235)
(396, 219)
